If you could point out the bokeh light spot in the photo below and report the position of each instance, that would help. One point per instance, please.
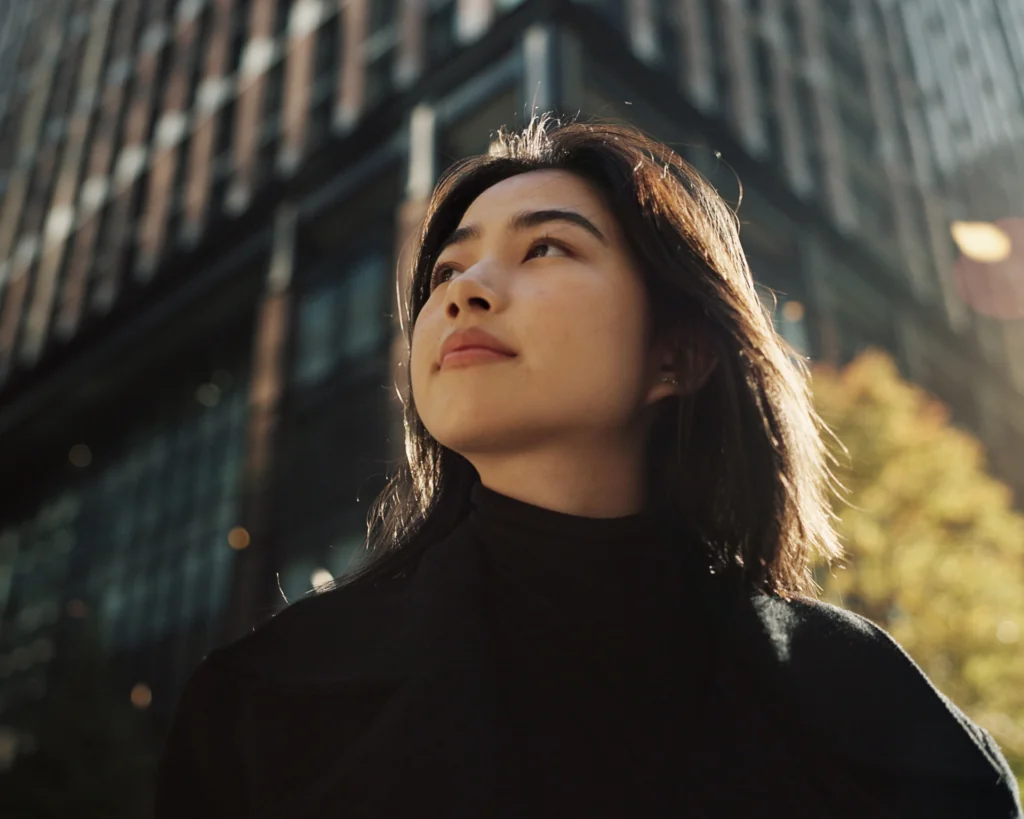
(1008, 632)
(208, 395)
(989, 274)
(76, 609)
(793, 311)
(320, 578)
(141, 695)
(238, 538)
(80, 455)
(982, 241)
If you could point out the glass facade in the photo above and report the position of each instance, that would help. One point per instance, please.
(35, 558)
(158, 519)
(333, 445)
(135, 540)
(341, 316)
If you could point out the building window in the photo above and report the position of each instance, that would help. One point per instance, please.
(792, 25)
(440, 31)
(613, 11)
(281, 19)
(789, 317)
(765, 68)
(671, 40)
(326, 74)
(875, 212)
(158, 510)
(859, 134)
(341, 317)
(316, 334)
(715, 38)
(273, 97)
(806, 112)
(239, 35)
(862, 317)
(380, 50)
(848, 64)
(471, 135)
(35, 560)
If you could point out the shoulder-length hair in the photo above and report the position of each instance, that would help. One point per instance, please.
(740, 462)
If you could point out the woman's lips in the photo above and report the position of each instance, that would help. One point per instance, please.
(468, 356)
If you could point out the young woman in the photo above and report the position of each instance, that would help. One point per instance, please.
(588, 593)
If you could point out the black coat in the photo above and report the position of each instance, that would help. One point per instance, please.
(378, 702)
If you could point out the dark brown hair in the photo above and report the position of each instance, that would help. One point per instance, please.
(740, 462)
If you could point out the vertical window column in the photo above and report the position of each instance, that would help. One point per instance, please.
(303, 24)
(16, 222)
(171, 128)
(96, 190)
(927, 208)
(643, 32)
(421, 176)
(380, 52)
(48, 39)
(699, 75)
(539, 70)
(781, 60)
(745, 113)
(134, 156)
(472, 19)
(259, 55)
(885, 111)
(412, 42)
(352, 88)
(211, 97)
(839, 198)
(61, 217)
(269, 378)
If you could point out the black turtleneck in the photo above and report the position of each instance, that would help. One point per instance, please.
(585, 619)
(631, 684)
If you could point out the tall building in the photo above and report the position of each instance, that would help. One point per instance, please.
(967, 60)
(204, 202)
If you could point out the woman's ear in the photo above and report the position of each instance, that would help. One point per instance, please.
(699, 360)
(685, 364)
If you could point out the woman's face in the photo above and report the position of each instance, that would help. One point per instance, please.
(539, 263)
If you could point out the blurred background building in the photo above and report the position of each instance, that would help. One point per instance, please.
(203, 205)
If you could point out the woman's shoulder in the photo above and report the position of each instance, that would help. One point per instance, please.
(258, 692)
(332, 636)
(855, 684)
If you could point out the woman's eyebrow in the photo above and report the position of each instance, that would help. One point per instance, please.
(533, 218)
(524, 221)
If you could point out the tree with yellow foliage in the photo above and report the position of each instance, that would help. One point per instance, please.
(935, 548)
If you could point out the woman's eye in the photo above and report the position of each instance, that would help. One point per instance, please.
(440, 274)
(539, 249)
(544, 245)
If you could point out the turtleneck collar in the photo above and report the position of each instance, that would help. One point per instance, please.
(515, 517)
(589, 569)
(585, 619)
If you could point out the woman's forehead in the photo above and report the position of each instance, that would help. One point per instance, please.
(534, 190)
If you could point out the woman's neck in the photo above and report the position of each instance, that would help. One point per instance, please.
(589, 482)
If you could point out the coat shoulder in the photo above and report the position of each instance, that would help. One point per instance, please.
(854, 682)
(348, 634)
(264, 689)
